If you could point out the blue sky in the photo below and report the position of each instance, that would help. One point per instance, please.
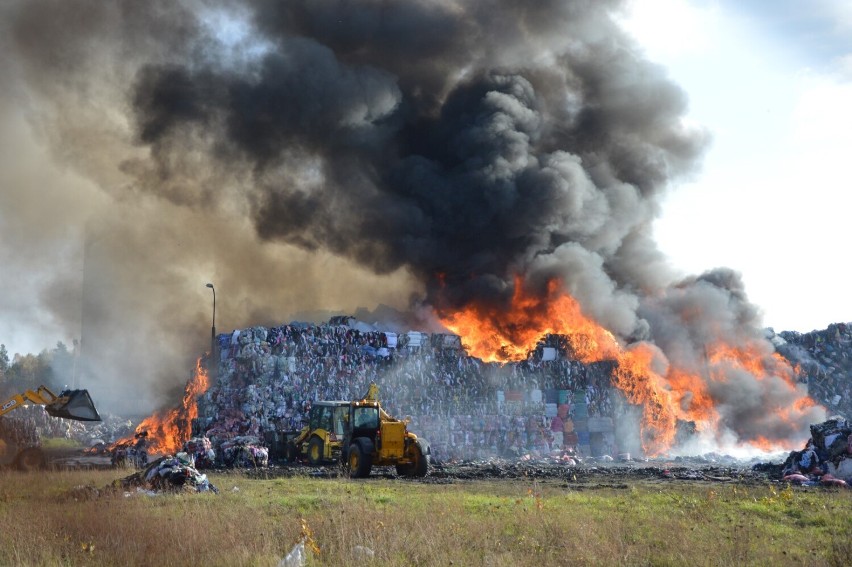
(772, 82)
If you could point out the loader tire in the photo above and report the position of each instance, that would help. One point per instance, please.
(420, 465)
(360, 460)
(30, 459)
(292, 453)
(316, 451)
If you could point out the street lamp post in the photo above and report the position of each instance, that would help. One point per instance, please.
(213, 329)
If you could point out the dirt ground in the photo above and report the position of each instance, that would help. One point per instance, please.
(590, 474)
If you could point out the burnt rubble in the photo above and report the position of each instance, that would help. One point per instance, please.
(576, 474)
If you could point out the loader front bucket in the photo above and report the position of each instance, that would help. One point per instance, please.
(74, 404)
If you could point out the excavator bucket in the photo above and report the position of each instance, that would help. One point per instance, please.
(73, 404)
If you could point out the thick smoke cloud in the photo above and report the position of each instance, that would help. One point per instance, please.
(690, 320)
(104, 240)
(425, 151)
(460, 142)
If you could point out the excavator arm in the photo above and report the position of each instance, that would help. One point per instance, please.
(69, 404)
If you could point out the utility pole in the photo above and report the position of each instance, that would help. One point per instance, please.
(213, 328)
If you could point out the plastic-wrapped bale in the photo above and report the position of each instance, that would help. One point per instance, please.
(201, 449)
(245, 451)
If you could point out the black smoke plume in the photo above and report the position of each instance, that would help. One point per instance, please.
(316, 152)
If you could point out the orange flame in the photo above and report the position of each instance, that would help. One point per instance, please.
(666, 393)
(169, 429)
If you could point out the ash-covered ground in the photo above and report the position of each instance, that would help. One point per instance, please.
(590, 473)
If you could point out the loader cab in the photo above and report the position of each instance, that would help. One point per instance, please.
(362, 421)
(320, 442)
(365, 421)
(329, 417)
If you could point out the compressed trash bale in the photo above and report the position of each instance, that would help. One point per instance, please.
(832, 426)
(201, 450)
(245, 451)
(335, 362)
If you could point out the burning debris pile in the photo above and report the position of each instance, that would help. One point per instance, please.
(823, 360)
(130, 452)
(826, 459)
(547, 406)
(467, 408)
(165, 432)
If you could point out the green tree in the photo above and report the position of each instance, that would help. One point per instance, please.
(62, 365)
(4, 363)
(28, 371)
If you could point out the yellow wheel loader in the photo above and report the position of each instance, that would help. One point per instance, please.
(361, 435)
(19, 445)
(374, 438)
(321, 440)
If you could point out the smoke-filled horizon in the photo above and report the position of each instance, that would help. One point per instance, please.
(317, 155)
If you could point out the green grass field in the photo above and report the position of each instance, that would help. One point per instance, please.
(66, 518)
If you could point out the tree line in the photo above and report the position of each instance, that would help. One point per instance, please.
(53, 368)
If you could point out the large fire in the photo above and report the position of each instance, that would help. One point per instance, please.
(665, 392)
(167, 430)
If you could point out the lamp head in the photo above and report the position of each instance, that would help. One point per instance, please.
(210, 285)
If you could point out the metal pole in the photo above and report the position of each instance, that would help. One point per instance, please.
(213, 329)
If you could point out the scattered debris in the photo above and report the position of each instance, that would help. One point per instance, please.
(169, 474)
(133, 452)
(201, 450)
(826, 459)
(298, 556)
(246, 452)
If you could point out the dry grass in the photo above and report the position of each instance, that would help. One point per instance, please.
(64, 519)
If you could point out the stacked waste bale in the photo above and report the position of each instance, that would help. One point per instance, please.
(824, 361)
(245, 452)
(267, 378)
(201, 451)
